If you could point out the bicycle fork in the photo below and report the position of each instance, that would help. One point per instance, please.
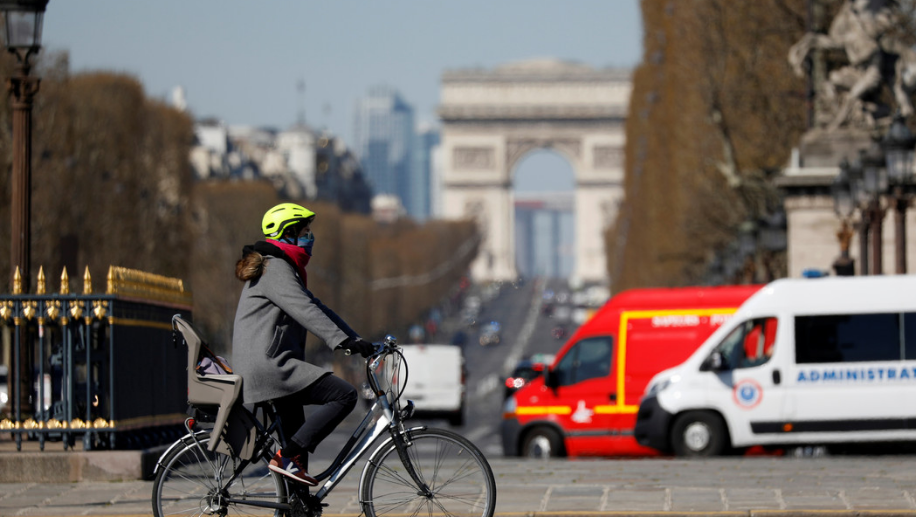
(402, 443)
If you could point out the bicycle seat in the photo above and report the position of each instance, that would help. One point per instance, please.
(223, 390)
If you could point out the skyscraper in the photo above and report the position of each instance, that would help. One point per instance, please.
(420, 205)
(384, 140)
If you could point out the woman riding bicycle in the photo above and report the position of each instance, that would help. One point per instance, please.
(275, 312)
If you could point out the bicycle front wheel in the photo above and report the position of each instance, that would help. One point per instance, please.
(458, 477)
(194, 481)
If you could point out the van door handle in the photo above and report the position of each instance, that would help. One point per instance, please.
(613, 397)
(776, 377)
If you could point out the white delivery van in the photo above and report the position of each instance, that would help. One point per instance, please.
(803, 361)
(436, 381)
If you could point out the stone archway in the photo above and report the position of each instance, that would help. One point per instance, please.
(492, 118)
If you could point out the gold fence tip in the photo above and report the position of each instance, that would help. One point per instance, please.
(87, 282)
(17, 282)
(111, 281)
(64, 282)
(41, 280)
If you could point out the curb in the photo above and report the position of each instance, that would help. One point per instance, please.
(76, 466)
(652, 513)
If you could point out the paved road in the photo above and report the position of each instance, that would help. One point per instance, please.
(724, 486)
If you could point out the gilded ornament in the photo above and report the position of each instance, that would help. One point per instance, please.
(53, 309)
(41, 280)
(100, 423)
(76, 423)
(29, 309)
(87, 282)
(6, 309)
(99, 308)
(17, 282)
(30, 424)
(64, 282)
(6, 424)
(76, 308)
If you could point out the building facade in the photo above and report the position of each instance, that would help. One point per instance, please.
(384, 139)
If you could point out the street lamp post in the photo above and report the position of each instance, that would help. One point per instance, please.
(22, 30)
(862, 200)
(875, 183)
(843, 205)
(898, 148)
(23, 21)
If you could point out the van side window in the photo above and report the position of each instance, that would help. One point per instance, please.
(587, 359)
(847, 338)
(909, 330)
(749, 344)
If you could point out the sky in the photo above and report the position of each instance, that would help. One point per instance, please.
(243, 61)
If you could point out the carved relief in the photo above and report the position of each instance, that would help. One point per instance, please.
(474, 158)
(607, 157)
(516, 148)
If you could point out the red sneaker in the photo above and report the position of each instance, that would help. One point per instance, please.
(291, 468)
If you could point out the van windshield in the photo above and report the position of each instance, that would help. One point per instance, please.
(749, 344)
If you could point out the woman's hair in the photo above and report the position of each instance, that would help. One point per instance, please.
(250, 266)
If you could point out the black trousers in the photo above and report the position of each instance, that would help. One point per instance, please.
(337, 399)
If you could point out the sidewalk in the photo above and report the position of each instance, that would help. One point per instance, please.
(770, 487)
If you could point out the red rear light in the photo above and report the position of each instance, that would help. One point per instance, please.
(510, 382)
(539, 367)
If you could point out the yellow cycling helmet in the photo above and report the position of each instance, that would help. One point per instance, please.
(282, 216)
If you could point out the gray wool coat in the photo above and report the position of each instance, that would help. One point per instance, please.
(274, 314)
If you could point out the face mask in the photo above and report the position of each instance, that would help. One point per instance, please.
(306, 242)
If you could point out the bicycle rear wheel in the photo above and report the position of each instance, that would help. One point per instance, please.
(194, 481)
(459, 478)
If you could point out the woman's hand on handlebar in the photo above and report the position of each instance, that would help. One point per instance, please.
(357, 346)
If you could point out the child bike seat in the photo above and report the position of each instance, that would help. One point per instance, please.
(222, 390)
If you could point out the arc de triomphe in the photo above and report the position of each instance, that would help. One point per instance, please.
(492, 118)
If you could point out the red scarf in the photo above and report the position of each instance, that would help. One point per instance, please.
(298, 255)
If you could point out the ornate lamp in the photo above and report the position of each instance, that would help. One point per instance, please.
(23, 20)
(843, 205)
(898, 148)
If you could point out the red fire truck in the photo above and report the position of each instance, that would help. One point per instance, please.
(585, 404)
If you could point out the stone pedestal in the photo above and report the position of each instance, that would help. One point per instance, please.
(813, 225)
(820, 148)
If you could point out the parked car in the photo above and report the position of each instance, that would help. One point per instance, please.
(526, 370)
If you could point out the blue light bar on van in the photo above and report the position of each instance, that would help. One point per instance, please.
(814, 273)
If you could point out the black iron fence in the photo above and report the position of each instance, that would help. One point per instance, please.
(100, 368)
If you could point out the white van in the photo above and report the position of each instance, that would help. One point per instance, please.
(803, 361)
(436, 381)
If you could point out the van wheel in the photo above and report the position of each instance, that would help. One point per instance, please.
(543, 443)
(698, 433)
(457, 419)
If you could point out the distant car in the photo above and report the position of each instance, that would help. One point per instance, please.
(489, 334)
(524, 371)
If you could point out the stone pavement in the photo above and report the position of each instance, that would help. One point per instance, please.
(764, 486)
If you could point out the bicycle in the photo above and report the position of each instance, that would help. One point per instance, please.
(224, 469)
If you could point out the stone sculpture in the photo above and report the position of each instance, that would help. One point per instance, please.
(862, 29)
